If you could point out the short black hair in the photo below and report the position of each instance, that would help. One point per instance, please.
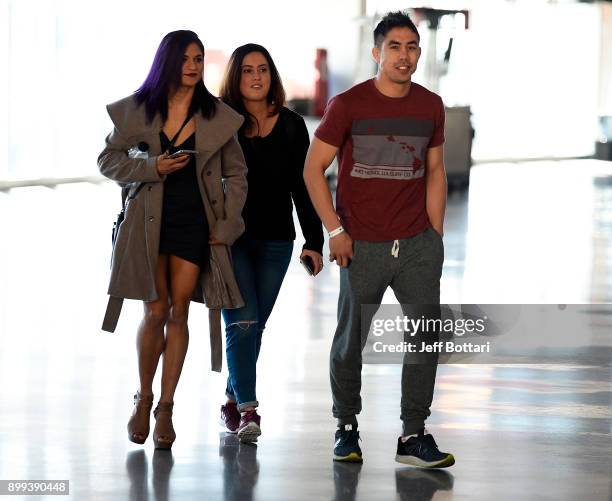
(392, 20)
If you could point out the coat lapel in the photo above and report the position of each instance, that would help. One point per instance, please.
(204, 143)
(150, 135)
(131, 121)
(212, 134)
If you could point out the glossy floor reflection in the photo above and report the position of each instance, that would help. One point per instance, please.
(527, 233)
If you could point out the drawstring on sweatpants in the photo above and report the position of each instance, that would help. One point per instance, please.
(395, 249)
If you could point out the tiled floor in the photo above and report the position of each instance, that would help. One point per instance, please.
(527, 233)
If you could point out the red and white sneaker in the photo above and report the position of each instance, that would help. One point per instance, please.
(249, 428)
(230, 417)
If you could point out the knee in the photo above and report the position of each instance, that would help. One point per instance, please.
(241, 327)
(156, 315)
(179, 311)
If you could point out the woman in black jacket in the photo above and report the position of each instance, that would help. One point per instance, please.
(274, 140)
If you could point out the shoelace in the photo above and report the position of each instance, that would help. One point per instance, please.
(427, 447)
(424, 444)
(250, 416)
(429, 440)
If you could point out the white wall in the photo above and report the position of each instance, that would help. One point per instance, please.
(530, 70)
(533, 79)
(605, 78)
(66, 59)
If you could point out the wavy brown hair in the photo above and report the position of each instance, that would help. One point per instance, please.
(230, 87)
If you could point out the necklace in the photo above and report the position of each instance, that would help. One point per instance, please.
(265, 126)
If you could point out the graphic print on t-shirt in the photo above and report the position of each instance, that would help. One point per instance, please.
(390, 148)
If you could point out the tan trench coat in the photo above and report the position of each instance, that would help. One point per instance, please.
(221, 173)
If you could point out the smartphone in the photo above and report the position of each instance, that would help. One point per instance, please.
(182, 152)
(308, 264)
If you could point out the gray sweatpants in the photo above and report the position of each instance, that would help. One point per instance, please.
(414, 277)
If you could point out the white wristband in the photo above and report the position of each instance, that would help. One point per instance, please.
(336, 232)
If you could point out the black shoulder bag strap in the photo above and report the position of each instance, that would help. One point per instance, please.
(189, 115)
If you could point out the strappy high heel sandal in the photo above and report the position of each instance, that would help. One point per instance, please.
(138, 425)
(163, 434)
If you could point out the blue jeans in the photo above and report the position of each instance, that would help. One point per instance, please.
(260, 267)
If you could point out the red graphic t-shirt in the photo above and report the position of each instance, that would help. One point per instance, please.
(382, 154)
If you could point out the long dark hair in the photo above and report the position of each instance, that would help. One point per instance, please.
(230, 87)
(165, 76)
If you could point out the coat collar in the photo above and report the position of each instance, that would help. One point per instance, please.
(211, 135)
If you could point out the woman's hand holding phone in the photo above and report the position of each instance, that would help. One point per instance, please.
(312, 261)
(166, 165)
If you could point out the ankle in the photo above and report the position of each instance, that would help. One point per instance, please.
(406, 437)
(143, 399)
(248, 409)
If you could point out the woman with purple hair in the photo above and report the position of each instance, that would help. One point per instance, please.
(174, 153)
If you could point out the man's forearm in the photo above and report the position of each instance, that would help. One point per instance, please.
(436, 198)
(321, 197)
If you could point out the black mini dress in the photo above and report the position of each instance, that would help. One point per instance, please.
(184, 228)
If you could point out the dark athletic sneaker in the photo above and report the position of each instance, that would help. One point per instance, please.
(249, 428)
(347, 447)
(230, 417)
(422, 451)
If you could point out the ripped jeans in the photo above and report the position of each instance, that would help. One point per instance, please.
(260, 267)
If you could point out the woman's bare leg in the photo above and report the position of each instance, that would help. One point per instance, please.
(183, 279)
(150, 340)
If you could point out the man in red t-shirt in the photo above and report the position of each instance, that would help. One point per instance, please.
(386, 230)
